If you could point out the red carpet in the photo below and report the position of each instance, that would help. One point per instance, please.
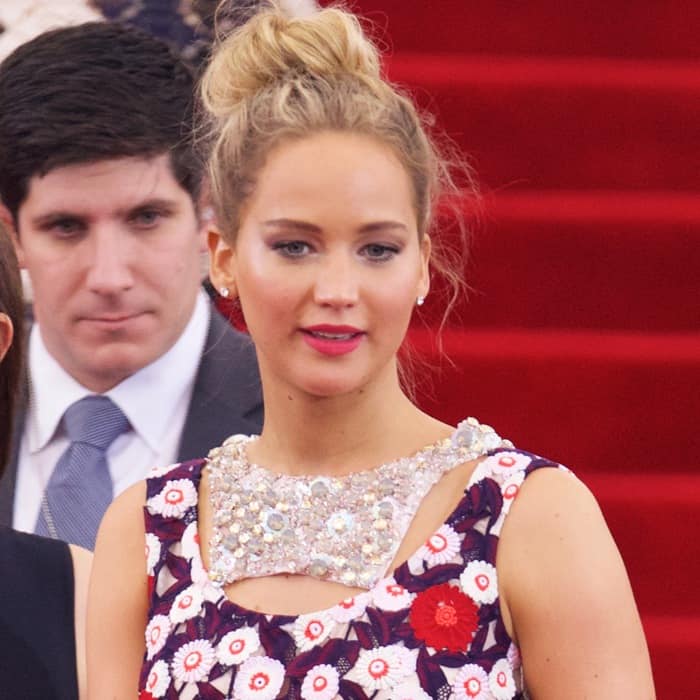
(581, 337)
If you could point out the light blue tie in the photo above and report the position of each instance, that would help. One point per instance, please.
(80, 487)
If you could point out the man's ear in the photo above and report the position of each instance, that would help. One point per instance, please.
(222, 261)
(8, 223)
(6, 334)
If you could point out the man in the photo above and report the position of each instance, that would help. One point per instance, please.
(128, 365)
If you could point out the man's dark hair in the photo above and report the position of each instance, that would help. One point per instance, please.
(11, 303)
(90, 92)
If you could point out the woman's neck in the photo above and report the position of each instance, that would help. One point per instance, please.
(306, 435)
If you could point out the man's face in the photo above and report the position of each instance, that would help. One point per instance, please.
(112, 250)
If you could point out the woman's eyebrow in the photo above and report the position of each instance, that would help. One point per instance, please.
(376, 226)
(371, 227)
(293, 224)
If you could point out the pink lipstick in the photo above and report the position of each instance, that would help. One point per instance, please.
(333, 340)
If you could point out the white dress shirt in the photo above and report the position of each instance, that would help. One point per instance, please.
(155, 400)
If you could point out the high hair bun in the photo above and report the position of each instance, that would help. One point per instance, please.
(272, 47)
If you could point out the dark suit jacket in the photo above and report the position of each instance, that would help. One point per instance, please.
(226, 399)
(36, 618)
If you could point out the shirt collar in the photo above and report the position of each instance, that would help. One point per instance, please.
(148, 398)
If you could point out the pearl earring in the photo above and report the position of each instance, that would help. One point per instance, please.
(420, 301)
(224, 292)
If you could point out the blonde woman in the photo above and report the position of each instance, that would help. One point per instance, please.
(358, 547)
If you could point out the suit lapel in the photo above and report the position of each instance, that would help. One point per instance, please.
(226, 397)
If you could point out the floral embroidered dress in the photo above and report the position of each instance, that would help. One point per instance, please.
(431, 630)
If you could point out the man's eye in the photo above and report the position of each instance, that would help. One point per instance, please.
(292, 249)
(147, 217)
(379, 252)
(65, 228)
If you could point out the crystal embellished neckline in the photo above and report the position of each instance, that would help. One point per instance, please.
(345, 529)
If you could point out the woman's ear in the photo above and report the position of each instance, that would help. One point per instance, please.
(424, 279)
(222, 263)
(6, 334)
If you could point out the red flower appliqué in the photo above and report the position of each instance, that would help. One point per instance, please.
(444, 618)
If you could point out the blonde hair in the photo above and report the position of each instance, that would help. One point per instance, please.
(278, 77)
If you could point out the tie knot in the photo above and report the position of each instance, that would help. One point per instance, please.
(95, 420)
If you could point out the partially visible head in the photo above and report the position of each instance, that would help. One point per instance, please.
(280, 78)
(278, 81)
(91, 92)
(11, 340)
(101, 179)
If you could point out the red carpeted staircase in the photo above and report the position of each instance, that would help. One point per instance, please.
(581, 338)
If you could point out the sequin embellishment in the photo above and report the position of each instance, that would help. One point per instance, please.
(344, 529)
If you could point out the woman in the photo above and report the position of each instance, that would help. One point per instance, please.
(43, 587)
(357, 548)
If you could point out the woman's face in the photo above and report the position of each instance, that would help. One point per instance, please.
(327, 263)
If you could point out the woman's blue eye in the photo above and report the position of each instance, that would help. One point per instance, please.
(379, 252)
(292, 249)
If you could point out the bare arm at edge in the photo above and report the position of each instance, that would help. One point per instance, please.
(118, 600)
(567, 593)
(82, 563)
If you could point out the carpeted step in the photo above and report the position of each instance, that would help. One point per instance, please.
(655, 520)
(597, 260)
(674, 645)
(596, 401)
(564, 124)
(648, 28)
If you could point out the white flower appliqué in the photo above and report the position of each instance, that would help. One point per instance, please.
(441, 547)
(158, 679)
(312, 629)
(174, 500)
(507, 463)
(350, 608)
(190, 541)
(407, 658)
(510, 490)
(379, 669)
(259, 678)
(186, 605)
(157, 632)
(471, 683)
(237, 646)
(152, 553)
(501, 680)
(193, 661)
(480, 582)
(389, 595)
(200, 578)
(320, 683)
